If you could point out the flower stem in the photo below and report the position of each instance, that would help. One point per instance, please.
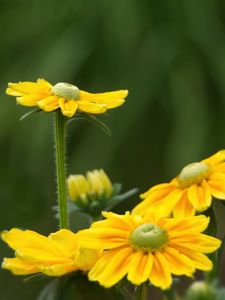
(169, 294)
(141, 292)
(60, 123)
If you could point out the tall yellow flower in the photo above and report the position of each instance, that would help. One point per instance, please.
(64, 96)
(191, 190)
(148, 248)
(55, 255)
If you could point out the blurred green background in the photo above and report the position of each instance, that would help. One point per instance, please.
(171, 57)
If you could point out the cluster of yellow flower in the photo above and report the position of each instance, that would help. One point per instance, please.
(161, 237)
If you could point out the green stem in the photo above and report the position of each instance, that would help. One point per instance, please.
(169, 294)
(60, 123)
(141, 292)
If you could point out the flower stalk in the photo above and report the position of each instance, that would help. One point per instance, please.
(141, 292)
(60, 124)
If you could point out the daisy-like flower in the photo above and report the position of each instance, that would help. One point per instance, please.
(55, 255)
(64, 96)
(148, 248)
(191, 191)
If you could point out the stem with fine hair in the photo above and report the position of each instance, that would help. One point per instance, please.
(60, 124)
(142, 291)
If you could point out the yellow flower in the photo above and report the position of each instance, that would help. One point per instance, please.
(191, 190)
(148, 248)
(95, 185)
(65, 96)
(55, 255)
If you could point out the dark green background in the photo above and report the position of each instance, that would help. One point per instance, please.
(171, 57)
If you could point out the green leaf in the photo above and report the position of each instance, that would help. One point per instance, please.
(34, 111)
(79, 220)
(77, 286)
(92, 119)
(116, 189)
(120, 198)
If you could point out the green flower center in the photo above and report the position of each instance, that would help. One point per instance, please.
(66, 90)
(193, 174)
(149, 237)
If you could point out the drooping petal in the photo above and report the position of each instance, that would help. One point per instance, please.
(91, 108)
(86, 258)
(140, 267)
(183, 208)
(161, 274)
(27, 239)
(27, 87)
(216, 184)
(68, 107)
(66, 239)
(200, 196)
(29, 100)
(57, 269)
(49, 104)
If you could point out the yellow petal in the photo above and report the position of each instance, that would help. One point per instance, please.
(57, 269)
(199, 260)
(197, 242)
(111, 267)
(18, 266)
(193, 224)
(49, 104)
(166, 196)
(140, 267)
(68, 107)
(215, 159)
(179, 264)
(103, 238)
(92, 108)
(160, 275)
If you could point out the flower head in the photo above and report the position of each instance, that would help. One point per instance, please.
(96, 184)
(64, 96)
(55, 255)
(191, 190)
(148, 248)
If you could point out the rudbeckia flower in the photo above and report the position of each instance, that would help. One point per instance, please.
(64, 96)
(148, 248)
(55, 255)
(191, 191)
